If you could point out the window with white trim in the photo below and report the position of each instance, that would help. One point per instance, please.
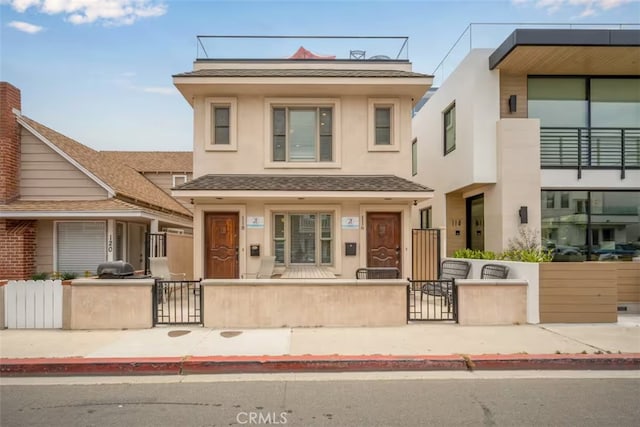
(220, 124)
(303, 238)
(178, 179)
(384, 129)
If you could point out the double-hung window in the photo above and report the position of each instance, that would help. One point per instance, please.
(384, 129)
(220, 124)
(449, 129)
(303, 238)
(302, 134)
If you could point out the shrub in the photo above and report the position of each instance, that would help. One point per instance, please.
(40, 276)
(67, 275)
(522, 255)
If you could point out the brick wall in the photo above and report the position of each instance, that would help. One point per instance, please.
(9, 143)
(17, 249)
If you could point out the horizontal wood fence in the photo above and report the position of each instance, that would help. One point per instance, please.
(580, 292)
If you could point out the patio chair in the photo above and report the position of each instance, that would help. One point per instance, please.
(267, 265)
(450, 271)
(378, 273)
(159, 268)
(494, 271)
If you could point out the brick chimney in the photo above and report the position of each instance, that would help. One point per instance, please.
(9, 143)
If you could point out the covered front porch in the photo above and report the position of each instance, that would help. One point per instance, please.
(317, 226)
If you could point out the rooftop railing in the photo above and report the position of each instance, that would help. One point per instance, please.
(354, 48)
(492, 34)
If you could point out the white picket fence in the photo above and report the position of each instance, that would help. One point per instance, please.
(33, 304)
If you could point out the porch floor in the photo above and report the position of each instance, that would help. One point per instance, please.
(307, 272)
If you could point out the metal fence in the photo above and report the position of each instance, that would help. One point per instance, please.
(177, 302)
(432, 300)
(590, 148)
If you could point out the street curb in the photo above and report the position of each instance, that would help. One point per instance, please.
(310, 363)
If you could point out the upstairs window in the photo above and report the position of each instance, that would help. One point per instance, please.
(220, 125)
(384, 128)
(414, 157)
(302, 134)
(450, 129)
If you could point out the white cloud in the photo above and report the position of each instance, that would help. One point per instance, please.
(108, 12)
(588, 7)
(25, 27)
(160, 90)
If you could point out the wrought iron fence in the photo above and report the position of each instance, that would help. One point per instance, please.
(590, 148)
(177, 302)
(432, 300)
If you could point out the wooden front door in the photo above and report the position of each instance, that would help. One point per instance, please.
(384, 240)
(221, 245)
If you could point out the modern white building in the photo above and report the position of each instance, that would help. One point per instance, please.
(542, 132)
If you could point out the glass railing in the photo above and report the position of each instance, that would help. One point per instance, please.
(354, 48)
(590, 148)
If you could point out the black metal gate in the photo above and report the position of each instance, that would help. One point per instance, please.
(177, 302)
(432, 300)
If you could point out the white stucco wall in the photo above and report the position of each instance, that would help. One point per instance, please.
(475, 90)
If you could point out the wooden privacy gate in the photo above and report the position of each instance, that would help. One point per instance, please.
(177, 302)
(425, 244)
(33, 304)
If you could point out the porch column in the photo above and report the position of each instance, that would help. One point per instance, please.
(111, 239)
(154, 226)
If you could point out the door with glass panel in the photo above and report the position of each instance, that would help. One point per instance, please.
(303, 238)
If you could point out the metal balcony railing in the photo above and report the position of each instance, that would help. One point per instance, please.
(590, 148)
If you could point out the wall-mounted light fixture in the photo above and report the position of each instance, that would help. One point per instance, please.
(513, 103)
(524, 216)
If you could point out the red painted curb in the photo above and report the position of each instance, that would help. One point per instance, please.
(310, 363)
(629, 361)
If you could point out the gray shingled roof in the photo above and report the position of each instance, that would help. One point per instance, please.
(378, 183)
(298, 73)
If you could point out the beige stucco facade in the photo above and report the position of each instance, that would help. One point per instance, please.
(107, 304)
(251, 101)
(304, 303)
(487, 302)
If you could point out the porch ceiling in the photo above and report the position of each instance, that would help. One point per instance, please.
(567, 52)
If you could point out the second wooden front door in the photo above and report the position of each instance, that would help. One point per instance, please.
(221, 245)
(384, 243)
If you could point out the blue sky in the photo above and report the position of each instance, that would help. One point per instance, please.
(100, 71)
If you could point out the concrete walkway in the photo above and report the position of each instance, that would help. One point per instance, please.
(414, 346)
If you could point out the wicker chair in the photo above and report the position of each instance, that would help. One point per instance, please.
(494, 271)
(450, 270)
(378, 273)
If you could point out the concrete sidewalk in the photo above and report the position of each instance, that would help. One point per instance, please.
(419, 346)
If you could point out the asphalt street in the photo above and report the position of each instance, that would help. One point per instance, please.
(384, 401)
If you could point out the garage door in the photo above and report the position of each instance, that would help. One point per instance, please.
(81, 246)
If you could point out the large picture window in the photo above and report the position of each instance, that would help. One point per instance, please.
(302, 134)
(598, 225)
(303, 238)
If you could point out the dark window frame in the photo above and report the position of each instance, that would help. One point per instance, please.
(448, 148)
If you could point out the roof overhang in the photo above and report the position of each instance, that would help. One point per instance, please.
(219, 196)
(414, 87)
(569, 52)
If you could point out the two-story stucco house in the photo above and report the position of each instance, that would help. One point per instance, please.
(541, 132)
(307, 159)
